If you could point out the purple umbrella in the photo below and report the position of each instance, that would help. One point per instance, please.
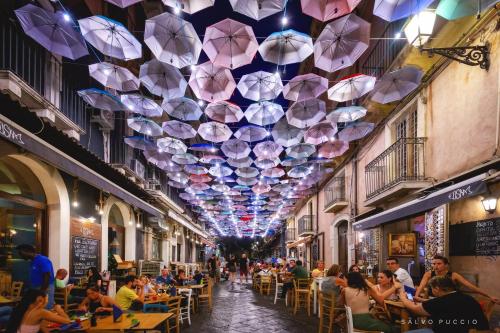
(162, 79)
(267, 149)
(123, 3)
(142, 105)
(212, 83)
(396, 85)
(306, 113)
(304, 87)
(224, 112)
(393, 10)
(179, 129)
(356, 131)
(114, 76)
(251, 133)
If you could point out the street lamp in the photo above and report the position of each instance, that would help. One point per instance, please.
(419, 28)
(489, 204)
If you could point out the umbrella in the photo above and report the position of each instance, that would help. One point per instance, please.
(356, 131)
(321, 132)
(240, 162)
(326, 10)
(396, 85)
(267, 149)
(212, 83)
(101, 99)
(454, 9)
(184, 158)
(205, 147)
(176, 184)
(212, 159)
(114, 76)
(230, 44)
(298, 172)
(301, 150)
(247, 172)
(172, 40)
(257, 9)
(267, 163)
(157, 157)
(246, 181)
(291, 162)
(260, 86)
(197, 188)
(333, 149)
(264, 113)
(346, 114)
(141, 105)
(179, 129)
(286, 47)
(235, 148)
(224, 112)
(123, 3)
(52, 31)
(140, 142)
(214, 131)
(189, 6)
(179, 177)
(171, 145)
(169, 166)
(304, 87)
(200, 178)
(341, 43)
(261, 188)
(162, 79)
(144, 126)
(306, 113)
(393, 10)
(251, 133)
(110, 37)
(182, 108)
(196, 169)
(285, 134)
(351, 87)
(273, 172)
(220, 171)
(220, 188)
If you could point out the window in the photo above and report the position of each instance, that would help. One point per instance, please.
(406, 127)
(156, 248)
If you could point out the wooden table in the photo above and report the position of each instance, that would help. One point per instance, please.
(147, 321)
(8, 301)
(398, 308)
(159, 299)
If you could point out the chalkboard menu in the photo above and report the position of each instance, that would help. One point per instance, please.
(478, 238)
(85, 247)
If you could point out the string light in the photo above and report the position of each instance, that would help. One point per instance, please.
(284, 21)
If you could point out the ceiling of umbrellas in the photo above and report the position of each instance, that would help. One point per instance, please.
(241, 168)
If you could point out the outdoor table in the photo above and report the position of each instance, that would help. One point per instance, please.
(147, 321)
(398, 308)
(8, 300)
(318, 282)
(155, 300)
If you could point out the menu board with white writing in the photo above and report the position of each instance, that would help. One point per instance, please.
(85, 254)
(478, 238)
(488, 238)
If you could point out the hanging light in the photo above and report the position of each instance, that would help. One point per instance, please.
(419, 28)
(101, 204)
(75, 202)
(130, 214)
(490, 204)
(138, 224)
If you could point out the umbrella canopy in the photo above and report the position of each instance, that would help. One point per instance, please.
(306, 113)
(141, 105)
(200, 178)
(321, 132)
(264, 113)
(182, 108)
(351, 87)
(52, 31)
(303, 87)
(172, 40)
(101, 99)
(196, 169)
(261, 188)
(341, 43)
(246, 181)
(454, 9)
(114, 76)
(260, 86)
(235, 148)
(273, 172)
(224, 112)
(179, 177)
(110, 37)
(240, 162)
(298, 172)
(247, 172)
(140, 142)
(346, 114)
(212, 159)
(220, 188)
(175, 184)
(220, 171)
(230, 44)
(286, 134)
(212, 83)
(267, 149)
(286, 47)
(396, 85)
(333, 149)
(356, 131)
(169, 166)
(123, 3)
(185, 158)
(393, 10)
(301, 150)
(189, 6)
(179, 129)
(326, 10)
(214, 131)
(171, 145)
(267, 163)
(162, 79)
(251, 133)
(156, 157)
(257, 9)
(144, 126)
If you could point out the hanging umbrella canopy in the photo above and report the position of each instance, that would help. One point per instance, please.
(257, 9)
(301, 150)
(196, 169)
(341, 43)
(114, 76)
(52, 31)
(172, 40)
(454, 9)
(185, 158)
(220, 171)
(169, 166)
(356, 131)
(214, 132)
(306, 113)
(179, 129)
(162, 79)
(286, 47)
(230, 44)
(179, 177)
(298, 172)
(240, 162)
(286, 134)
(246, 181)
(267, 149)
(326, 10)
(393, 10)
(141, 105)
(396, 85)
(235, 148)
(247, 172)
(204, 147)
(321, 132)
(346, 114)
(156, 157)
(212, 159)
(220, 188)
(101, 99)
(144, 126)
(182, 108)
(140, 142)
(189, 6)
(251, 133)
(176, 184)
(123, 3)
(351, 87)
(224, 112)
(333, 149)
(110, 37)
(261, 188)
(267, 163)
(260, 86)
(264, 113)
(273, 172)
(303, 87)
(212, 83)
(171, 145)
(200, 178)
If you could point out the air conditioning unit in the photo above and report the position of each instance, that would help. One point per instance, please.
(104, 118)
(138, 168)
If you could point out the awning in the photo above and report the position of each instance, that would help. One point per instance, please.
(207, 242)
(305, 240)
(467, 188)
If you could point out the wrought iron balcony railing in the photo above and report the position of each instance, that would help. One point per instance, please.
(290, 235)
(306, 225)
(335, 192)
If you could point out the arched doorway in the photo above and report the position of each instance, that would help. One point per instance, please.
(342, 249)
(116, 232)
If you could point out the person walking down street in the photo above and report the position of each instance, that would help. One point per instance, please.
(243, 268)
(212, 266)
(231, 266)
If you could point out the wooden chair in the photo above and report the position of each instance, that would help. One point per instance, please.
(205, 296)
(186, 310)
(16, 289)
(61, 297)
(326, 311)
(278, 285)
(255, 281)
(265, 284)
(302, 293)
(350, 325)
(174, 307)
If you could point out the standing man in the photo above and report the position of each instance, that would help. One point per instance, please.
(401, 274)
(244, 268)
(212, 266)
(42, 272)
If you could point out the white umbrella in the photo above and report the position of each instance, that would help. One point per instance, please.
(304, 87)
(267, 149)
(240, 162)
(189, 6)
(162, 79)
(264, 113)
(286, 47)
(306, 113)
(257, 9)
(356, 131)
(214, 131)
(184, 158)
(179, 129)
(182, 108)
(396, 85)
(333, 149)
(320, 132)
(267, 163)
(247, 172)
(142, 105)
(251, 133)
(273, 173)
(171, 145)
(144, 126)
(220, 171)
(212, 83)
(351, 87)
(301, 150)
(260, 86)
(224, 112)
(286, 134)
(114, 76)
(235, 148)
(346, 114)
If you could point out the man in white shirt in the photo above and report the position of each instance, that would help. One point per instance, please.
(401, 274)
(265, 270)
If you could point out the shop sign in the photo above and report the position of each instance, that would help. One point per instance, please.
(9, 133)
(460, 193)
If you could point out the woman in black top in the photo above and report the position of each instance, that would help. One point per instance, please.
(94, 278)
(231, 266)
(244, 268)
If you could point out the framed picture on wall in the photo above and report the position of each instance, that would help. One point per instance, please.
(402, 245)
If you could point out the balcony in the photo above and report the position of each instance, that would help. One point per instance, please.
(306, 226)
(398, 170)
(335, 198)
(290, 235)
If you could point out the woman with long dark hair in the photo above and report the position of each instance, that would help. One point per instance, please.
(94, 278)
(30, 312)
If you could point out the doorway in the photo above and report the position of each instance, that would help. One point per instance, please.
(342, 247)
(116, 232)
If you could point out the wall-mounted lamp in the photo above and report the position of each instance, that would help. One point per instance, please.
(74, 202)
(490, 204)
(130, 214)
(101, 204)
(138, 225)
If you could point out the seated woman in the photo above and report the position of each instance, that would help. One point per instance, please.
(94, 278)
(95, 302)
(319, 270)
(335, 282)
(30, 312)
(149, 289)
(385, 287)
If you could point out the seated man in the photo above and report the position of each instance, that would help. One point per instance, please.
(298, 272)
(182, 280)
(265, 270)
(126, 296)
(95, 302)
(165, 278)
(198, 276)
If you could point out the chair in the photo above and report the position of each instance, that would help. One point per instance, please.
(61, 298)
(186, 309)
(255, 281)
(302, 292)
(278, 286)
(174, 307)
(205, 296)
(16, 289)
(265, 284)
(326, 311)
(487, 307)
(350, 325)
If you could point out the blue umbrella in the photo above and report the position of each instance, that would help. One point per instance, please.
(391, 10)
(101, 99)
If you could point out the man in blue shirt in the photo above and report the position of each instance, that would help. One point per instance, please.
(165, 278)
(42, 272)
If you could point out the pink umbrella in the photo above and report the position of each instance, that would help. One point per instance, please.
(267, 149)
(224, 112)
(230, 44)
(212, 83)
(200, 178)
(321, 132)
(304, 87)
(326, 10)
(261, 188)
(351, 87)
(333, 149)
